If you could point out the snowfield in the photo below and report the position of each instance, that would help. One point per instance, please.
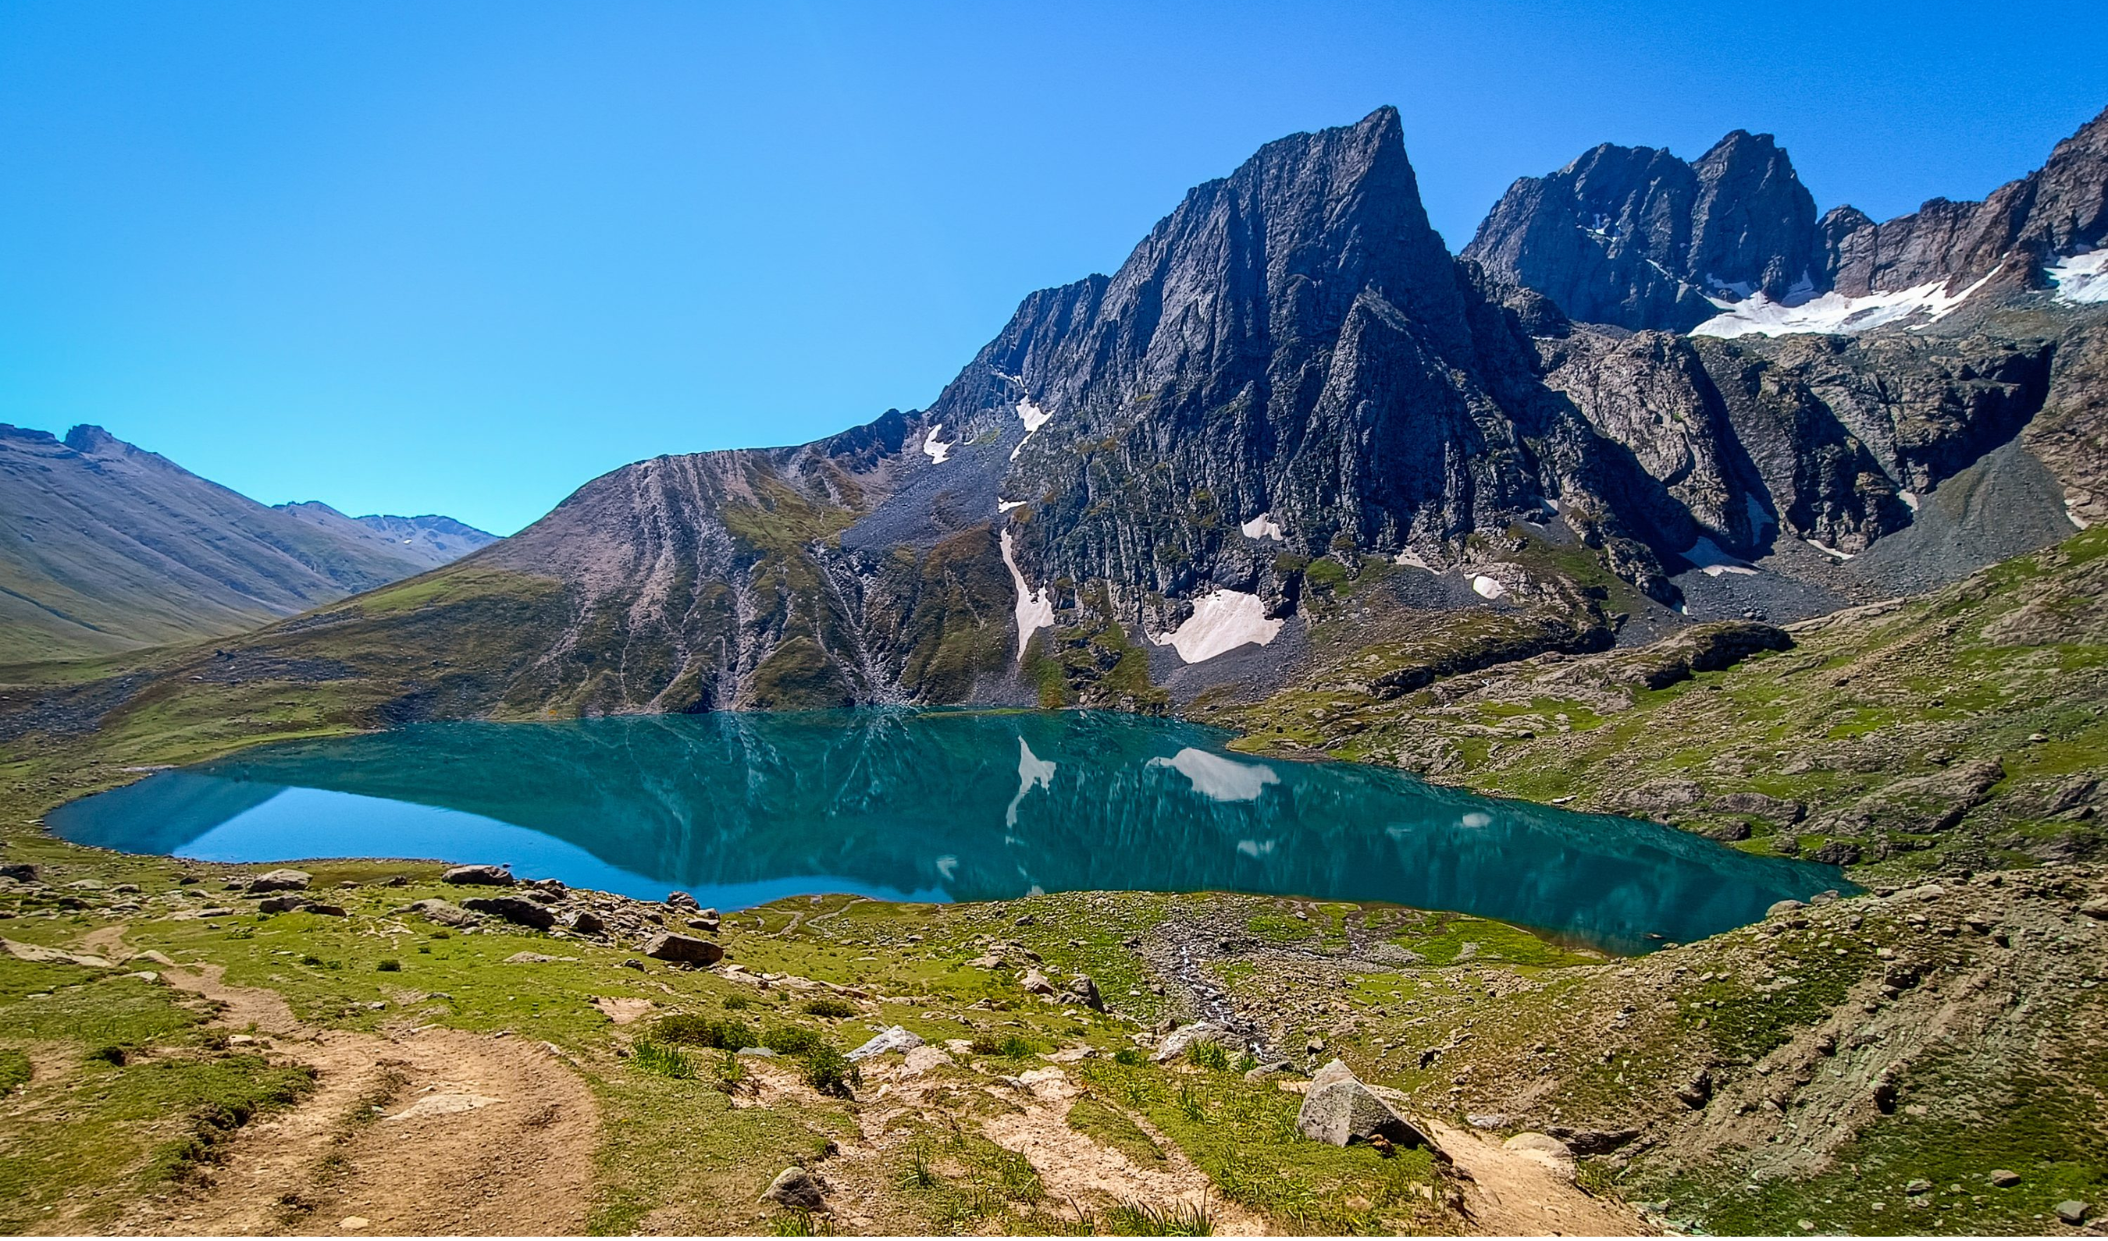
(2081, 277)
(1707, 555)
(1834, 312)
(1222, 620)
(936, 451)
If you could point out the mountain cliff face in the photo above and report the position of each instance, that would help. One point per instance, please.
(1291, 430)
(1636, 238)
(108, 547)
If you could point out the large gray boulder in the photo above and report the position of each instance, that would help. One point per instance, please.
(668, 946)
(1176, 1042)
(284, 879)
(445, 913)
(798, 1189)
(1340, 1109)
(895, 1038)
(513, 909)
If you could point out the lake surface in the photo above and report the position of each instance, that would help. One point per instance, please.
(935, 806)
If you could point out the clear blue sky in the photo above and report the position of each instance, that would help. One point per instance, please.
(460, 257)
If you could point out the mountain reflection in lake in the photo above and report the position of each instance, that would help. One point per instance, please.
(935, 805)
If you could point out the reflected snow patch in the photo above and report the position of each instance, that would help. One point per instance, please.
(1255, 848)
(1476, 818)
(948, 866)
(1032, 772)
(1218, 778)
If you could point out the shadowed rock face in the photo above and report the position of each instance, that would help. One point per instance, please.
(1635, 237)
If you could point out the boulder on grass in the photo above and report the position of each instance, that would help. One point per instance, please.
(895, 1038)
(1176, 1042)
(480, 876)
(1084, 991)
(1339, 1109)
(281, 904)
(667, 946)
(445, 913)
(798, 1189)
(284, 879)
(513, 909)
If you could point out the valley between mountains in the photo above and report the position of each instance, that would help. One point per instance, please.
(1668, 497)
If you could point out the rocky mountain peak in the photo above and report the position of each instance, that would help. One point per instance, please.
(1636, 237)
(89, 438)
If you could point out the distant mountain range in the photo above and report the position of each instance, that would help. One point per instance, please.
(105, 547)
(1293, 426)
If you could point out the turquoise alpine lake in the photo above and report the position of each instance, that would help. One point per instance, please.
(740, 809)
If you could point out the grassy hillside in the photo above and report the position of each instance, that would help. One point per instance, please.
(1963, 728)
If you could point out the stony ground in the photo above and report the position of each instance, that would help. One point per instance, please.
(1872, 1064)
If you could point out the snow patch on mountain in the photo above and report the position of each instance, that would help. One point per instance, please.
(1713, 562)
(1261, 527)
(937, 451)
(1222, 620)
(1035, 608)
(2080, 278)
(1834, 312)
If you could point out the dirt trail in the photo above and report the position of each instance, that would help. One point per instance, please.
(1513, 1195)
(474, 1135)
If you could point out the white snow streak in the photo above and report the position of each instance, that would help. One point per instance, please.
(1035, 608)
(937, 452)
(1004, 506)
(1034, 418)
(2081, 277)
(1261, 527)
(1032, 772)
(1827, 550)
(1834, 312)
(1487, 586)
(1222, 620)
(1218, 778)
